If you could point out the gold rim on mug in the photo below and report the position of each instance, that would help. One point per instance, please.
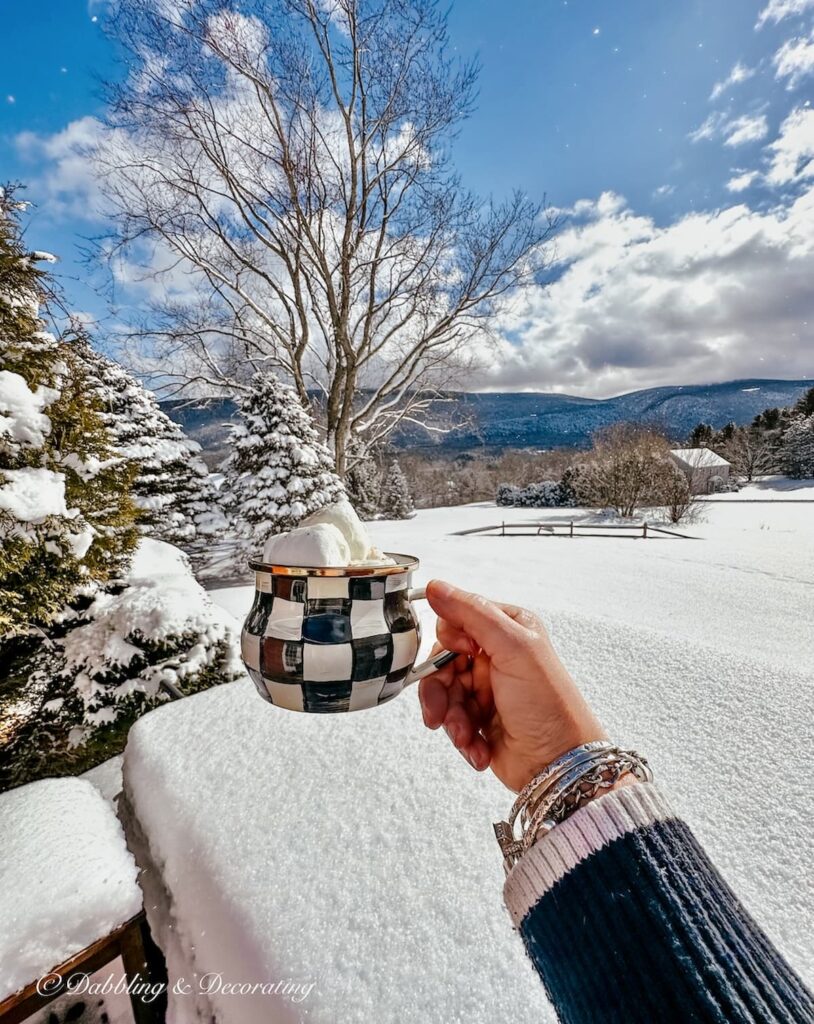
(404, 563)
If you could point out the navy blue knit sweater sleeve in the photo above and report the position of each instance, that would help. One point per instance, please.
(628, 922)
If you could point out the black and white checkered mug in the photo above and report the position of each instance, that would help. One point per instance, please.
(334, 639)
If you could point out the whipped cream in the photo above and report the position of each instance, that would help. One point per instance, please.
(334, 537)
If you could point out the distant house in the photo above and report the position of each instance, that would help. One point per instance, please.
(706, 471)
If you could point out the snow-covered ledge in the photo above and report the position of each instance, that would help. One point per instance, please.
(67, 878)
(322, 855)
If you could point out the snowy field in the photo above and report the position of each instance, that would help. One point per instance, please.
(700, 653)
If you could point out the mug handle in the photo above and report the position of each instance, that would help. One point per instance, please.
(426, 668)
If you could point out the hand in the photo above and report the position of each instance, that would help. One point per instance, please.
(507, 701)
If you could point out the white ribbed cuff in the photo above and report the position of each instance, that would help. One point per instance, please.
(586, 831)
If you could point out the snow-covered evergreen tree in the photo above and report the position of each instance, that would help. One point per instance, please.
(87, 639)
(278, 471)
(804, 406)
(66, 519)
(116, 655)
(395, 501)
(170, 487)
(797, 451)
(363, 481)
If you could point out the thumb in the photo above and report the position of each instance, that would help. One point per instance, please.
(483, 621)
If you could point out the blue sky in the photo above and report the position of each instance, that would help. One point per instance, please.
(578, 100)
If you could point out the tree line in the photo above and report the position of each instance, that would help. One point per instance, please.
(779, 440)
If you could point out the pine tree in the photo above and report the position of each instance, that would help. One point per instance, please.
(395, 501)
(114, 655)
(278, 471)
(701, 435)
(170, 487)
(804, 406)
(363, 481)
(88, 641)
(797, 451)
(66, 519)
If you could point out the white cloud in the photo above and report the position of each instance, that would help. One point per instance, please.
(795, 60)
(739, 73)
(709, 128)
(664, 190)
(713, 296)
(742, 180)
(792, 152)
(64, 176)
(777, 10)
(734, 131)
(749, 128)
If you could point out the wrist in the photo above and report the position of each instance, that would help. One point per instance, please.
(578, 777)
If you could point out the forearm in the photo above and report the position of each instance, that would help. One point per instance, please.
(626, 920)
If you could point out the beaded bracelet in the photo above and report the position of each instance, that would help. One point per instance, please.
(560, 789)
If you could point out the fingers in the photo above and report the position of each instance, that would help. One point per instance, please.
(452, 638)
(471, 617)
(433, 690)
(447, 699)
(432, 693)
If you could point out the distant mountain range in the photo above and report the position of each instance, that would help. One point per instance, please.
(541, 420)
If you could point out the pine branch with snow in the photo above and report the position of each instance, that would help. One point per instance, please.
(112, 658)
(279, 471)
(66, 521)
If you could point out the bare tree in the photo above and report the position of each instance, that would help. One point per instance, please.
(626, 469)
(752, 452)
(284, 169)
(682, 504)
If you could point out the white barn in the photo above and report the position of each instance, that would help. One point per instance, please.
(706, 471)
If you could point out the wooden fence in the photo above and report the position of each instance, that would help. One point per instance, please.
(558, 528)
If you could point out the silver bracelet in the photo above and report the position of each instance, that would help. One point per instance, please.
(548, 774)
(560, 789)
(580, 787)
(579, 761)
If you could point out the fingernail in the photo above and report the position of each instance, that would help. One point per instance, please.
(469, 760)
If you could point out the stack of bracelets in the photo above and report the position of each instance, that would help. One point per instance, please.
(562, 788)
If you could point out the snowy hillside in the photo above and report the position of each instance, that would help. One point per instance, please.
(521, 419)
(700, 653)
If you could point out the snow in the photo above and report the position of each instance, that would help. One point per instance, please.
(107, 777)
(698, 457)
(356, 851)
(88, 467)
(22, 419)
(32, 495)
(68, 878)
(322, 853)
(769, 488)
